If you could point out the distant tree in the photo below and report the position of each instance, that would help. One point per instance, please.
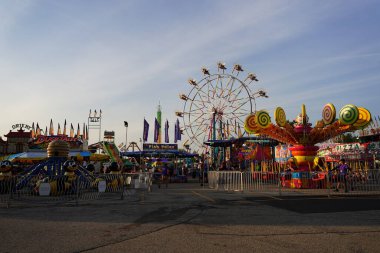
(346, 138)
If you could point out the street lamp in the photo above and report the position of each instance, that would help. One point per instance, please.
(126, 134)
(141, 145)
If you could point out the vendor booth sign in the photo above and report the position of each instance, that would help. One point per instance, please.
(156, 146)
(282, 153)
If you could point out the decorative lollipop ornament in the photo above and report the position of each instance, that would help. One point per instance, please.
(250, 124)
(280, 116)
(262, 119)
(328, 114)
(364, 118)
(348, 115)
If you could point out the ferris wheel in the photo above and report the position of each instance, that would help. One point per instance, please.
(216, 106)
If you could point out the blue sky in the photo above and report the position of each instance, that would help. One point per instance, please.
(59, 59)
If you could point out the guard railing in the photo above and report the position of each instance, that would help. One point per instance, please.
(52, 189)
(306, 182)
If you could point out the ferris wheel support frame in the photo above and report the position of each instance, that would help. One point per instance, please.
(235, 100)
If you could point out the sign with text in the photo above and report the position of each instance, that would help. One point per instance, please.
(21, 126)
(94, 119)
(157, 146)
(44, 189)
(348, 147)
(48, 139)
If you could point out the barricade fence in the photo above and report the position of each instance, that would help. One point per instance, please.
(357, 182)
(52, 189)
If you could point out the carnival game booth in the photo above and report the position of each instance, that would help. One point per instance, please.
(362, 153)
(251, 155)
(240, 151)
(158, 155)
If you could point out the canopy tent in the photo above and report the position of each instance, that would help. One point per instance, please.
(230, 142)
(35, 156)
(158, 153)
(26, 157)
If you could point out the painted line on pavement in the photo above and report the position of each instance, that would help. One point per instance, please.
(203, 196)
(274, 198)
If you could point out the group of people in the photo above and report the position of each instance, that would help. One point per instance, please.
(343, 171)
(340, 174)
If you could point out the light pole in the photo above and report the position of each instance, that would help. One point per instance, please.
(141, 166)
(126, 134)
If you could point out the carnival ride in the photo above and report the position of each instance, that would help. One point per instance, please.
(110, 149)
(215, 107)
(56, 165)
(113, 152)
(300, 133)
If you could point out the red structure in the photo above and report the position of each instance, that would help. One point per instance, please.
(17, 142)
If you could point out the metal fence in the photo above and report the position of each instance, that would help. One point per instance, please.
(42, 189)
(314, 183)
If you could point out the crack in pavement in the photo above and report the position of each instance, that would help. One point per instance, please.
(162, 215)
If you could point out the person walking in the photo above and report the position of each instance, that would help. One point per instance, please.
(164, 177)
(343, 173)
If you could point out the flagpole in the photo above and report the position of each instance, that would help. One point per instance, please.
(126, 135)
(143, 141)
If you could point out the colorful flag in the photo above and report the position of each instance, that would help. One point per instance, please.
(64, 128)
(239, 131)
(59, 130)
(228, 130)
(179, 137)
(38, 130)
(225, 131)
(51, 129)
(176, 131)
(167, 131)
(33, 132)
(71, 130)
(146, 130)
(156, 129)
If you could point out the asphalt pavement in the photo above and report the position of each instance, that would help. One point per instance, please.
(189, 218)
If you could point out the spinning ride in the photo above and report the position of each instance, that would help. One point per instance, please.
(216, 106)
(300, 132)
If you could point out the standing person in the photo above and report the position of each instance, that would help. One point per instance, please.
(170, 172)
(200, 171)
(164, 176)
(205, 171)
(343, 171)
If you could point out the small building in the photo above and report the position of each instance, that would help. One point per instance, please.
(17, 142)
